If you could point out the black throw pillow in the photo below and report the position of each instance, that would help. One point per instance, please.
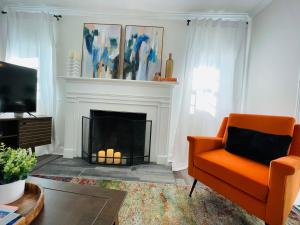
(255, 145)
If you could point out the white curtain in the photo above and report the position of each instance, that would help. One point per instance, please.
(30, 42)
(3, 33)
(213, 82)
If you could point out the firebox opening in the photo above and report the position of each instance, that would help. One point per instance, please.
(116, 138)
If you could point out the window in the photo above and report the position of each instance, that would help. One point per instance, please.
(205, 88)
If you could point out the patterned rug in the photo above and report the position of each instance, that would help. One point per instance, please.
(169, 204)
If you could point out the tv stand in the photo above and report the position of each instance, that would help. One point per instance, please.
(21, 115)
(18, 115)
(25, 132)
(30, 114)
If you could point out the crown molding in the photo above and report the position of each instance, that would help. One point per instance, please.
(260, 7)
(125, 14)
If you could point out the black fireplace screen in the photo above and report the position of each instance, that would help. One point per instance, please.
(116, 138)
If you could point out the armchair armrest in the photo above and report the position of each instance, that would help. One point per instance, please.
(201, 144)
(287, 165)
(284, 183)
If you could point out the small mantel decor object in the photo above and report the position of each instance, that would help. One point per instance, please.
(169, 66)
(157, 77)
(169, 79)
(15, 165)
(73, 69)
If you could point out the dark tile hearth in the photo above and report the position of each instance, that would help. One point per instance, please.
(78, 167)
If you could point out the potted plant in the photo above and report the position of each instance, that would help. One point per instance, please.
(15, 165)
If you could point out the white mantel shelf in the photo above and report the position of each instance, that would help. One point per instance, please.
(120, 81)
(154, 98)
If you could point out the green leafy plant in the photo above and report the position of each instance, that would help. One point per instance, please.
(15, 164)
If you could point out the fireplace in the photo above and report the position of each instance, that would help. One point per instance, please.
(116, 138)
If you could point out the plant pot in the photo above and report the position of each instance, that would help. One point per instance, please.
(12, 191)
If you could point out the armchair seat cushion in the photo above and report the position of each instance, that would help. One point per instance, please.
(244, 174)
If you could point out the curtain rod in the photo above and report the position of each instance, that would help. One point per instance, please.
(56, 16)
(188, 21)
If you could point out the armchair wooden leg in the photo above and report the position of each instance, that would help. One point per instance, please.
(193, 187)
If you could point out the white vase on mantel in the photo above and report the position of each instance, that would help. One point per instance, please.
(12, 191)
(73, 67)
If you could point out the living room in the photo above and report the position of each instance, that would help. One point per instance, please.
(149, 112)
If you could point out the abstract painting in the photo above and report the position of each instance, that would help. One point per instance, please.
(101, 51)
(143, 52)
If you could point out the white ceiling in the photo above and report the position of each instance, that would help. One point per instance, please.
(178, 6)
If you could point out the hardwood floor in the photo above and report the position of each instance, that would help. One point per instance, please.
(183, 174)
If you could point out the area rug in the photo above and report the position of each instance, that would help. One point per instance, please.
(169, 204)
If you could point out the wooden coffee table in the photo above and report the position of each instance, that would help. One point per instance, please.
(73, 204)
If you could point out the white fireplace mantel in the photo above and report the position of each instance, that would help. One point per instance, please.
(150, 97)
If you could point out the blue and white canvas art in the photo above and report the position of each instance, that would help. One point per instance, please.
(143, 52)
(101, 51)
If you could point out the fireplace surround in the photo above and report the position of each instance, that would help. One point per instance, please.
(116, 138)
(80, 95)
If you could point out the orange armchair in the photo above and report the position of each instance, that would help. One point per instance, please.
(268, 192)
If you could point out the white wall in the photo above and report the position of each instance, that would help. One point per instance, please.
(274, 59)
(69, 38)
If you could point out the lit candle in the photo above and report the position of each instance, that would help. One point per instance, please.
(101, 156)
(117, 157)
(109, 155)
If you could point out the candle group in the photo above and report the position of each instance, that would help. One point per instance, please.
(110, 155)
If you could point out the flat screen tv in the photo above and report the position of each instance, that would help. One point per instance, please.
(17, 88)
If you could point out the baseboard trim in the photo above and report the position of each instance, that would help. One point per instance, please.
(179, 167)
(68, 153)
(162, 159)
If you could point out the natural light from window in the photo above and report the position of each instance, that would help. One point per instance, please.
(26, 62)
(205, 86)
